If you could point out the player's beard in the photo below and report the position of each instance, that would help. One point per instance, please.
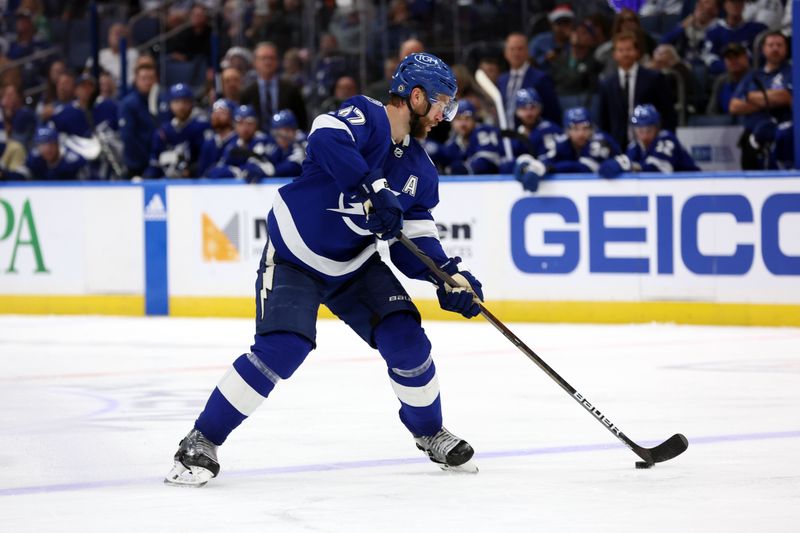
(419, 127)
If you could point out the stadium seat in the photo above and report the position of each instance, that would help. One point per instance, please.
(144, 29)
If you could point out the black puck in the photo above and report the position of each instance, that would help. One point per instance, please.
(644, 464)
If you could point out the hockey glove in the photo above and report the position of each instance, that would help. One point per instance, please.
(460, 299)
(528, 170)
(383, 209)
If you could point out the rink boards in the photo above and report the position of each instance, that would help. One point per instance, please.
(713, 249)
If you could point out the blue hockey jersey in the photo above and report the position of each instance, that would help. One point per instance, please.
(288, 162)
(665, 154)
(70, 166)
(175, 148)
(245, 160)
(480, 153)
(71, 119)
(318, 222)
(211, 152)
(563, 158)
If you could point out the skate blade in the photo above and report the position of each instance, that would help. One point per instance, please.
(467, 468)
(193, 476)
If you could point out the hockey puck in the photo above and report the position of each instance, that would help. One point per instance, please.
(644, 464)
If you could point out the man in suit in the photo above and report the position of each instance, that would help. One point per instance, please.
(522, 76)
(269, 94)
(629, 86)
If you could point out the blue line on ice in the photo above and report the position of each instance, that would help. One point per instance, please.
(378, 463)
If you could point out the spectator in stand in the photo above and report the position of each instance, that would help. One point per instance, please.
(387, 36)
(223, 135)
(67, 115)
(136, 121)
(49, 161)
(654, 150)
(194, 41)
(667, 61)
(689, 36)
(85, 89)
(764, 96)
(522, 75)
(282, 25)
(175, 148)
(737, 66)
(576, 71)
(329, 65)
(231, 80)
(473, 148)
(294, 68)
(269, 93)
(242, 60)
(54, 71)
(468, 89)
(767, 12)
(582, 150)
(19, 121)
(346, 27)
(106, 107)
(12, 161)
(288, 149)
(109, 57)
(547, 46)
(628, 21)
(629, 86)
(491, 66)
(344, 88)
(23, 45)
(733, 28)
(410, 46)
(379, 90)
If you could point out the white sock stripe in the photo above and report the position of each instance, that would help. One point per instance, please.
(414, 372)
(417, 396)
(242, 396)
(264, 369)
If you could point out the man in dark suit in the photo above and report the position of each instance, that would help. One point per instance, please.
(523, 76)
(269, 94)
(629, 86)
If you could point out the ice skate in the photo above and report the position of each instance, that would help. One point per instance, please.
(195, 461)
(451, 453)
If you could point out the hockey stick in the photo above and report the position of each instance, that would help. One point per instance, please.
(670, 448)
(491, 90)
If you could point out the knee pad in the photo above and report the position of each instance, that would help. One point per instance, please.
(281, 352)
(403, 344)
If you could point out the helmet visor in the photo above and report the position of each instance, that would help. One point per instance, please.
(449, 108)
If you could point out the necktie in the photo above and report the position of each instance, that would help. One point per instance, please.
(626, 91)
(266, 104)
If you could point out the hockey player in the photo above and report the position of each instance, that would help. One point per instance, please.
(654, 150)
(473, 148)
(219, 137)
(582, 149)
(176, 145)
(366, 176)
(535, 135)
(288, 149)
(246, 155)
(48, 161)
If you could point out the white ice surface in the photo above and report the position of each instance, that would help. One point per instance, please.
(92, 409)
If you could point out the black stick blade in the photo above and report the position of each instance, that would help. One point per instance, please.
(669, 449)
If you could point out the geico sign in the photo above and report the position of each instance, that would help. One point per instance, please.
(664, 211)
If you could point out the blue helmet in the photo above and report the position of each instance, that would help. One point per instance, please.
(45, 134)
(431, 74)
(283, 119)
(645, 115)
(180, 91)
(244, 112)
(224, 103)
(465, 107)
(576, 115)
(528, 96)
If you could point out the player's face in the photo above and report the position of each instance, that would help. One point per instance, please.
(463, 124)
(580, 134)
(49, 152)
(529, 114)
(284, 136)
(221, 119)
(181, 108)
(246, 129)
(645, 135)
(434, 116)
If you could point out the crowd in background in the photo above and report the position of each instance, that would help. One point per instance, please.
(230, 89)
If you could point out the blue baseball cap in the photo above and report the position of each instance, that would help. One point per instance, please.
(180, 91)
(528, 96)
(645, 115)
(244, 112)
(576, 115)
(45, 134)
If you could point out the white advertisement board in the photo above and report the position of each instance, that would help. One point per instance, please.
(731, 240)
(71, 241)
